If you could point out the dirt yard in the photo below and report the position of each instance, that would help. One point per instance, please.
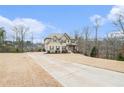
(95, 62)
(21, 70)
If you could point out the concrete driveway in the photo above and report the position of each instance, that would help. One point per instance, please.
(78, 75)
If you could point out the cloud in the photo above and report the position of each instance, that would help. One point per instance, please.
(115, 11)
(33, 24)
(100, 20)
(118, 34)
(6, 23)
(36, 27)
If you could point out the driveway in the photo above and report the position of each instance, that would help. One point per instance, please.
(77, 75)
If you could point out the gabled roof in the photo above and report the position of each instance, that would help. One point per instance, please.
(58, 35)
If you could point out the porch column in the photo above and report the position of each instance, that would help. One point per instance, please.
(60, 49)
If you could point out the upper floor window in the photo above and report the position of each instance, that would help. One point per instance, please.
(50, 47)
(67, 41)
(73, 41)
(54, 39)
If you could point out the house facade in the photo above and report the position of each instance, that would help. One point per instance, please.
(60, 43)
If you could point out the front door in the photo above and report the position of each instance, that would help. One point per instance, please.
(71, 48)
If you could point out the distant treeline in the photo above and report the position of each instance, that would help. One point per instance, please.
(19, 44)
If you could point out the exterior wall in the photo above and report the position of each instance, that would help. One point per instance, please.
(53, 48)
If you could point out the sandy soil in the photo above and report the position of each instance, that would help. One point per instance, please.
(96, 62)
(21, 70)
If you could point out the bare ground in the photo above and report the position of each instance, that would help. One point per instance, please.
(95, 62)
(20, 70)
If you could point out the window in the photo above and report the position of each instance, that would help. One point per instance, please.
(58, 48)
(50, 47)
(63, 47)
(73, 41)
(67, 41)
(64, 41)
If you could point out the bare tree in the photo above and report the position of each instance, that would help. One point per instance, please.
(2, 35)
(97, 22)
(20, 32)
(76, 34)
(32, 41)
(78, 39)
(119, 22)
(96, 26)
(82, 38)
(113, 45)
(86, 32)
(107, 47)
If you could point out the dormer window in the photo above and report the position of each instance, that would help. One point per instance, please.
(54, 39)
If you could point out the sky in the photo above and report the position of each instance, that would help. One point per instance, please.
(43, 20)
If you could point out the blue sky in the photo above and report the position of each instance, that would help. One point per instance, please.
(63, 18)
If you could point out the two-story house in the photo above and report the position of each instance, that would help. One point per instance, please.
(60, 43)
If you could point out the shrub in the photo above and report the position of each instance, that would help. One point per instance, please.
(17, 50)
(43, 50)
(120, 57)
(94, 52)
(85, 54)
(39, 50)
(48, 51)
